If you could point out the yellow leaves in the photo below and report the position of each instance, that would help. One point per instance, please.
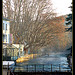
(64, 39)
(26, 58)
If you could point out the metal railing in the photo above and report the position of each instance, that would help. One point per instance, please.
(40, 68)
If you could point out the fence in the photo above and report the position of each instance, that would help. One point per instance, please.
(10, 54)
(40, 68)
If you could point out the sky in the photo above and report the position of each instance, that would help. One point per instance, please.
(61, 6)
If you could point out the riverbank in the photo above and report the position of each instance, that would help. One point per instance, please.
(69, 58)
(27, 57)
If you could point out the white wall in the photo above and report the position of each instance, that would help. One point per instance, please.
(6, 32)
(19, 45)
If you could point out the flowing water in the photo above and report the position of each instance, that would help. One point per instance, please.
(54, 58)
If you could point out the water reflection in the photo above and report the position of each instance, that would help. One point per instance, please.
(52, 58)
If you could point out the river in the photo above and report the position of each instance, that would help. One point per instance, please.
(54, 58)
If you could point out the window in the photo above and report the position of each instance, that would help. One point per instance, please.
(6, 26)
(3, 26)
(4, 38)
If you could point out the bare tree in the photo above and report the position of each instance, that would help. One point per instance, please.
(30, 22)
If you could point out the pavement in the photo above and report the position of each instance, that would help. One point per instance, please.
(5, 65)
(4, 72)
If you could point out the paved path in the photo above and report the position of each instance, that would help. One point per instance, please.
(4, 72)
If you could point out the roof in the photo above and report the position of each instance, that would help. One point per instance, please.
(6, 19)
(9, 46)
(17, 45)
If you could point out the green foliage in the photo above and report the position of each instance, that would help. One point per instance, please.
(69, 19)
(69, 22)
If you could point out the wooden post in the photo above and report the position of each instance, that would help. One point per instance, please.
(43, 67)
(59, 67)
(51, 67)
(27, 68)
(35, 67)
(8, 70)
(15, 62)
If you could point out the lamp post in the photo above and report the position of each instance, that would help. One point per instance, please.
(23, 52)
(19, 50)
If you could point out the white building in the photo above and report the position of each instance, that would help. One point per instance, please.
(20, 47)
(6, 30)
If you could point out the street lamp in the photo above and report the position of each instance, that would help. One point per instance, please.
(19, 50)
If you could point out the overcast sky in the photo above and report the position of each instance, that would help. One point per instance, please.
(61, 6)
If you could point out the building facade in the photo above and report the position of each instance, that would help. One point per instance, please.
(20, 47)
(11, 38)
(6, 30)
